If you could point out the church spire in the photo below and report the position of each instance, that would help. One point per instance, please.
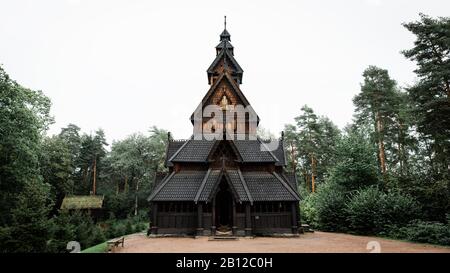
(225, 35)
(225, 59)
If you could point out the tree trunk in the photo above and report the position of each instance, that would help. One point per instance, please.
(136, 199)
(381, 152)
(313, 172)
(94, 186)
(85, 178)
(400, 157)
(400, 146)
(126, 184)
(306, 178)
(293, 156)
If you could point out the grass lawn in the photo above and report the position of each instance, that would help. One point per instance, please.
(100, 248)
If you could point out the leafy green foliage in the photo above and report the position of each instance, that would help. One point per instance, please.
(30, 228)
(371, 211)
(330, 205)
(311, 145)
(430, 100)
(424, 232)
(356, 165)
(24, 116)
(56, 167)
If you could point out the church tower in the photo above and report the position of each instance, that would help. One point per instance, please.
(224, 112)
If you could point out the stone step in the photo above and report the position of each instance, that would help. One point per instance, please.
(223, 238)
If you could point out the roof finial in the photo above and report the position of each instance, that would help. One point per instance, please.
(225, 22)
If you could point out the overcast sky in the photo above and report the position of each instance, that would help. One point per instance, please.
(127, 65)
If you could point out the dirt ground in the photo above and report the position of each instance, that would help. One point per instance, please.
(306, 243)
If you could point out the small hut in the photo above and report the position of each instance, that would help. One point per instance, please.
(92, 204)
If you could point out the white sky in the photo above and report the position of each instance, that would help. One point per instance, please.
(127, 65)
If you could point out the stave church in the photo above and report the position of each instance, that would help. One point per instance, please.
(224, 179)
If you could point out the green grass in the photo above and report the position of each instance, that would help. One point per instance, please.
(100, 248)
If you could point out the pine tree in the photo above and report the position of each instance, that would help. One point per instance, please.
(376, 105)
(431, 94)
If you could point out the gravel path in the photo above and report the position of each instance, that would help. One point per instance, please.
(309, 242)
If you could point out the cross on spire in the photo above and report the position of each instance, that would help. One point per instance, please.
(225, 22)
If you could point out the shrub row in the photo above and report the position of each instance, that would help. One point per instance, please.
(371, 211)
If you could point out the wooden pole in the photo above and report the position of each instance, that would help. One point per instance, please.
(248, 220)
(233, 226)
(294, 217)
(154, 227)
(213, 220)
(199, 219)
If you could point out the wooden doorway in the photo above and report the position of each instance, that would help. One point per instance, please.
(224, 207)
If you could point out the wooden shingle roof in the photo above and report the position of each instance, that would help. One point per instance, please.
(249, 150)
(181, 186)
(265, 186)
(246, 186)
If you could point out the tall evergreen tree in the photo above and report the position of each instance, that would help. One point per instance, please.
(430, 97)
(431, 94)
(376, 105)
(311, 144)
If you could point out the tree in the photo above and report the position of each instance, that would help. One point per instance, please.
(56, 167)
(290, 136)
(31, 224)
(430, 103)
(431, 94)
(92, 152)
(24, 117)
(311, 144)
(133, 163)
(356, 165)
(375, 104)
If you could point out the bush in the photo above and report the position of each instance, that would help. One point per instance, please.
(140, 227)
(308, 210)
(330, 205)
(365, 211)
(399, 210)
(424, 232)
(128, 227)
(356, 166)
(371, 211)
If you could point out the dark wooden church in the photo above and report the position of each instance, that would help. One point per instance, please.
(224, 179)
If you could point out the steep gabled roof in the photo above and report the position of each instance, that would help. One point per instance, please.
(235, 88)
(221, 45)
(231, 144)
(234, 179)
(291, 178)
(279, 152)
(222, 54)
(172, 147)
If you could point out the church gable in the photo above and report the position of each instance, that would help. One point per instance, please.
(225, 88)
(225, 61)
